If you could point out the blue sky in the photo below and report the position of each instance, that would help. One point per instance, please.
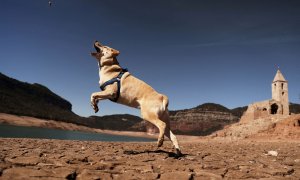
(194, 51)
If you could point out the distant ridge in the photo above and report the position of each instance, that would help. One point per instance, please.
(294, 108)
(201, 120)
(212, 107)
(36, 100)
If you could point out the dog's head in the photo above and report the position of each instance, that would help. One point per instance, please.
(104, 52)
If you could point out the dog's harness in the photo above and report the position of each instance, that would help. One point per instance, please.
(116, 79)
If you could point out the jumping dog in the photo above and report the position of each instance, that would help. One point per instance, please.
(120, 86)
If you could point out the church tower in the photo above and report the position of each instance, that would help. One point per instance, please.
(280, 92)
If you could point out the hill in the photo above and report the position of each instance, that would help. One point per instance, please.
(239, 111)
(201, 120)
(294, 108)
(34, 100)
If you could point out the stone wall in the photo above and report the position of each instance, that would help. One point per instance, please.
(262, 109)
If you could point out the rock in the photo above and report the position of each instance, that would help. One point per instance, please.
(131, 174)
(30, 173)
(183, 175)
(23, 161)
(93, 174)
(145, 169)
(45, 164)
(23, 173)
(201, 174)
(272, 153)
(63, 172)
(279, 171)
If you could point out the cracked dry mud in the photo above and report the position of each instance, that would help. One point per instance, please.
(206, 159)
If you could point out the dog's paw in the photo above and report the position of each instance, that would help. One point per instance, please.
(160, 142)
(178, 153)
(95, 107)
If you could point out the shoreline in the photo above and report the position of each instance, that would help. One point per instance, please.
(27, 121)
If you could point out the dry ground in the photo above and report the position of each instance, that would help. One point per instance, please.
(205, 159)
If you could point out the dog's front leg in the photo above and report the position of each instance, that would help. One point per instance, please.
(98, 96)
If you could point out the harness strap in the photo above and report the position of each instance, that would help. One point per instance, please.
(112, 81)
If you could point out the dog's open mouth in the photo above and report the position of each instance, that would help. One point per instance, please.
(97, 46)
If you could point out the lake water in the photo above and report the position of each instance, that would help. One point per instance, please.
(9, 131)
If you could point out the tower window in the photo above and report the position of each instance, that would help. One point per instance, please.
(281, 85)
(282, 93)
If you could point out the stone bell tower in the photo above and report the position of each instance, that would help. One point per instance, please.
(280, 92)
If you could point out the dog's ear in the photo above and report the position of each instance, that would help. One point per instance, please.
(115, 52)
(96, 55)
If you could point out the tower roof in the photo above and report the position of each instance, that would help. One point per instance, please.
(278, 76)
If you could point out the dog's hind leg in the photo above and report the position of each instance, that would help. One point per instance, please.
(162, 129)
(154, 119)
(169, 133)
(173, 138)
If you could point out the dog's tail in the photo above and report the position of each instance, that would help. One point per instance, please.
(165, 103)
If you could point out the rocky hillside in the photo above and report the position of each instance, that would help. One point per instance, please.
(272, 127)
(34, 100)
(288, 128)
(239, 111)
(201, 120)
(244, 130)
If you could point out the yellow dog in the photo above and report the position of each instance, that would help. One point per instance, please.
(120, 86)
